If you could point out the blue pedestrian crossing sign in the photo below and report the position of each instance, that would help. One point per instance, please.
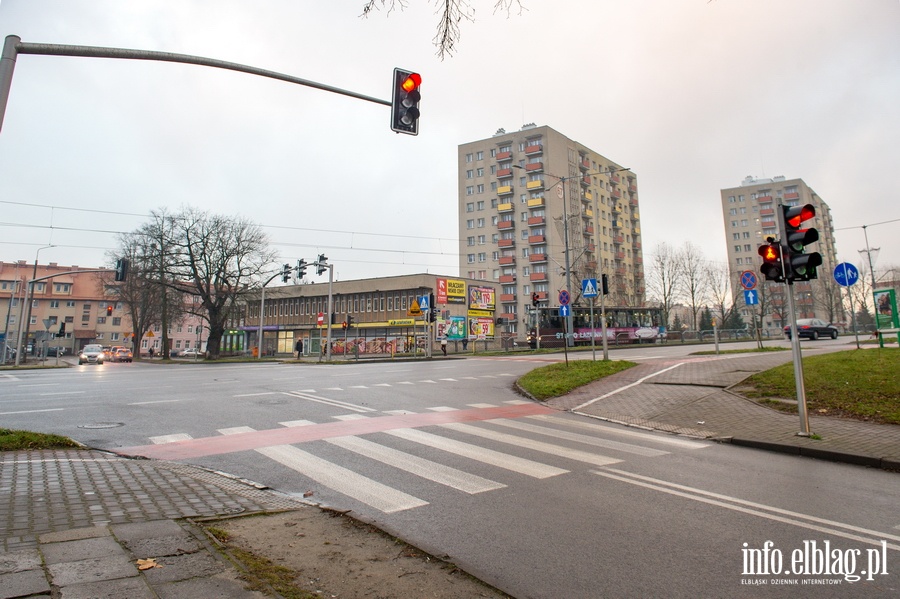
(751, 297)
(846, 274)
(564, 310)
(423, 303)
(589, 287)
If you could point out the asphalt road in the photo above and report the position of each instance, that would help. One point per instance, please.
(447, 456)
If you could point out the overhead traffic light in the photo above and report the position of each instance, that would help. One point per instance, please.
(285, 273)
(321, 264)
(799, 265)
(301, 268)
(771, 267)
(405, 102)
(121, 269)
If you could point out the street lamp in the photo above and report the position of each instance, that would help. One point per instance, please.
(28, 299)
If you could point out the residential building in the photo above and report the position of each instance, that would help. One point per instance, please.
(532, 202)
(750, 217)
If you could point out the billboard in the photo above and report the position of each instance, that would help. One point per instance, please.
(456, 291)
(481, 298)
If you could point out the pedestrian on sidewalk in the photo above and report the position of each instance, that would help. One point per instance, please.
(299, 348)
(444, 345)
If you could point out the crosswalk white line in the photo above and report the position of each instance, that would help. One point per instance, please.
(443, 409)
(586, 439)
(480, 454)
(337, 478)
(399, 412)
(665, 439)
(159, 440)
(290, 423)
(439, 473)
(482, 405)
(556, 450)
(345, 417)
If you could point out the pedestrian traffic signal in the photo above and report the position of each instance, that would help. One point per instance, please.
(286, 273)
(321, 264)
(535, 299)
(799, 265)
(405, 102)
(771, 267)
(301, 268)
(121, 269)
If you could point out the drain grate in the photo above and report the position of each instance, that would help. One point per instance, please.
(102, 425)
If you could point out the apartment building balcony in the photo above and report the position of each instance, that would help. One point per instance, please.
(590, 247)
(587, 196)
(585, 164)
(537, 258)
(504, 225)
(534, 149)
(792, 196)
(617, 224)
(591, 265)
(616, 193)
(620, 271)
(766, 212)
(536, 202)
(539, 184)
(504, 173)
(638, 259)
(534, 167)
(589, 230)
(632, 188)
(507, 278)
(637, 230)
(503, 156)
(509, 315)
(507, 260)
(619, 255)
(633, 202)
(615, 179)
(619, 238)
(536, 239)
(588, 213)
(636, 244)
(506, 243)
(507, 297)
(767, 224)
(534, 221)
(538, 276)
(586, 180)
(504, 190)
(506, 207)
(764, 199)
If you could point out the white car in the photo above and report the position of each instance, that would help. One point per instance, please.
(190, 352)
(91, 354)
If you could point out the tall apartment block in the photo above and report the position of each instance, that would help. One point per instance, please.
(750, 217)
(529, 198)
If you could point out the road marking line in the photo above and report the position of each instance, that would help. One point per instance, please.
(443, 409)
(405, 383)
(256, 394)
(480, 454)
(586, 439)
(170, 438)
(433, 471)
(381, 385)
(399, 412)
(32, 411)
(331, 402)
(61, 393)
(720, 500)
(556, 450)
(143, 403)
(346, 417)
(629, 386)
(666, 439)
(450, 380)
(482, 405)
(296, 423)
(34, 384)
(429, 381)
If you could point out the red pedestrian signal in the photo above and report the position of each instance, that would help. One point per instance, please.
(771, 267)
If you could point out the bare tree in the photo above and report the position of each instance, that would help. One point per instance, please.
(140, 292)
(452, 13)
(215, 258)
(692, 270)
(724, 293)
(664, 279)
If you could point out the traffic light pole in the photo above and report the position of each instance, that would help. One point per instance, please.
(798, 363)
(262, 309)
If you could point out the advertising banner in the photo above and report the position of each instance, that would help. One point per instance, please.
(454, 328)
(481, 328)
(456, 292)
(886, 309)
(481, 298)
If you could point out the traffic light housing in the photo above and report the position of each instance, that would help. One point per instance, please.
(349, 321)
(320, 264)
(109, 310)
(535, 299)
(121, 269)
(301, 268)
(771, 266)
(800, 266)
(604, 284)
(286, 273)
(62, 329)
(405, 102)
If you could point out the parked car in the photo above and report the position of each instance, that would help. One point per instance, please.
(91, 354)
(122, 354)
(812, 328)
(189, 352)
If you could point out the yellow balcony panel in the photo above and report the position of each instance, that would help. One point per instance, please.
(535, 202)
(637, 230)
(589, 213)
(534, 184)
(587, 196)
(504, 189)
(505, 207)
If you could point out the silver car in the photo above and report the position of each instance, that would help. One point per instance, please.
(91, 354)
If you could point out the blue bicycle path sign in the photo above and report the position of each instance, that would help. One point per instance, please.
(846, 274)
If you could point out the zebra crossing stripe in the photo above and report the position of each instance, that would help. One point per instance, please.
(159, 440)
(479, 454)
(586, 439)
(439, 473)
(556, 450)
(652, 438)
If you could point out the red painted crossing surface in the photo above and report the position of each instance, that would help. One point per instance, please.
(195, 448)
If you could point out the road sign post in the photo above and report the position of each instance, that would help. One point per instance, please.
(845, 274)
(589, 290)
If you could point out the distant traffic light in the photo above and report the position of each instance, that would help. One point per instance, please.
(301, 268)
(286, 273)
(799, 265)
(771, 267)
(62, 329)
(405, 102)
(321, 264)
(109, 310)
(535, 299)
(121, 269)
(604, 284)
(349, 321)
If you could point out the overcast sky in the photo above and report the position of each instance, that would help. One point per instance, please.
(692, 95)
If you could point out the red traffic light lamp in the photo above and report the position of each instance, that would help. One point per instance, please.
(771, 267)
(109, 310)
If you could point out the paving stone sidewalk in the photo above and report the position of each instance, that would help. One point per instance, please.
(74, 523)
(691, 396)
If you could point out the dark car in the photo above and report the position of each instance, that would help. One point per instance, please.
(813, 328)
